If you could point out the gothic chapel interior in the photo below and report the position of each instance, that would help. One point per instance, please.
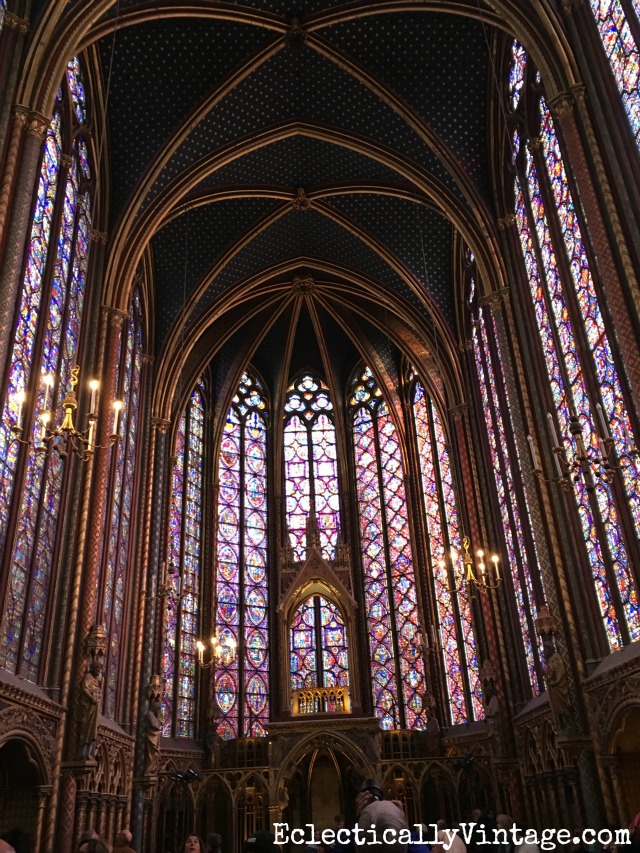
(320, 413)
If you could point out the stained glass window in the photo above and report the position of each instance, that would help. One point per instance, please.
(118, 555)
(618, 23)
(242, 592)
(397, 667)
(576, 347)
(499, 430)
(183, 572)
(460, 661)
(318, 645)
(44, 349)
(311, 476)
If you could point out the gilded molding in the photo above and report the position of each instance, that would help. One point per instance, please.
(66, 161)
(12, 21)
(536, 143)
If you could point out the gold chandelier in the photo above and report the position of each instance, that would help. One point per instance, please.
(65, 438)
(481, 576)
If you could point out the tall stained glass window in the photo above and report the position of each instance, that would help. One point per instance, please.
(582, 370)
(504, 455)
(45, 346)
(242, 591)
(181, 618)
(397, 668)
(311, 475)
(618, 23)
(318, 645)
(118, 546)
(460, 660)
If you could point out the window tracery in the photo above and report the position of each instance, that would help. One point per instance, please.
(318, 645)
(46, 342)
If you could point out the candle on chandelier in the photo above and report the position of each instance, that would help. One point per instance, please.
(117, 407)
(200, 647)
(495, 560)
(48, 382)
(552, 430)
(603, 421)
(45, 417)
(18, 398)
(534, 455)
(94, 385)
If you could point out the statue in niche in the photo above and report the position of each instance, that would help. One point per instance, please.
(152, 731)
(88, 709)
(557, 686)
(492, 716)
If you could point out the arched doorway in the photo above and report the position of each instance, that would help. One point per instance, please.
(21, 781)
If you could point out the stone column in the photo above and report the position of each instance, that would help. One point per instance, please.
(16, 210)
(14, 31)
(155, 524)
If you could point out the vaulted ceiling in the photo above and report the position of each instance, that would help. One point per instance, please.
(255, 143)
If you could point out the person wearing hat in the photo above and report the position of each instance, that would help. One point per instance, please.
(374, 811)
(261, 842)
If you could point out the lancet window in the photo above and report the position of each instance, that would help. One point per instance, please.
(618, 23)
(504, 455)
(241, 685)
(119, 555)
(45, 346)
(395, 641)
(460, 660)
(586, 386)
(183, 572)
(311, 476)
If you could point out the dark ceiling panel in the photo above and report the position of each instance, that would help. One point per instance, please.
(300, 161)
(153, 85)
(200, 236)
(418, 236)
(300, 84)
(439, 64)
(308, 233)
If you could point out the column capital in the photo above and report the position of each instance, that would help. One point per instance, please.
(495, 300)
(148, 359)
(36, 124)
(99, 236)
(568, 6)
(458, 412)
(160, 424)
(15, 23)
(115, 316)
(562, 104)
(506, 222)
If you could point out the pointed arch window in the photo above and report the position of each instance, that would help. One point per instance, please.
(581, 367)
(241, 688)
(397, 669)
(119, 554)
(46, 341)
(460, 660)
(182, 614)
(618, 23)
(318, 645)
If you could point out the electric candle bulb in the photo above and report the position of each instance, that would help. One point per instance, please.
(48, 382)
(117, 407)
(94, 385)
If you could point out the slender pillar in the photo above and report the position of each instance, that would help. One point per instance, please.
(155, 523)
(14, 31)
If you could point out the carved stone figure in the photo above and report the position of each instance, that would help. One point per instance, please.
(88, 709)
(558, 690)
(492, 716)
(152, 729)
